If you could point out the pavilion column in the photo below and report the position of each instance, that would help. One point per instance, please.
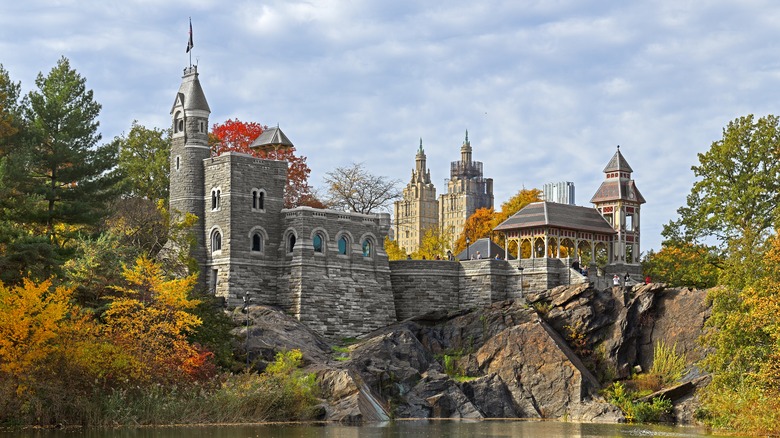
(546, 245)
(506, 247)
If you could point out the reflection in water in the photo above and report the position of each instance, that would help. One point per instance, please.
(413, 428)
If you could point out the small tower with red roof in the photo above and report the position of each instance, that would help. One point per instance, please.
(619, 201)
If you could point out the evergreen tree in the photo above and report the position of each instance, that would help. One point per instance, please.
(69, 176)
(21, 253)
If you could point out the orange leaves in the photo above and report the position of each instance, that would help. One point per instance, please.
(143, 338)
(150, 320)
(477, 226)
(31, 318)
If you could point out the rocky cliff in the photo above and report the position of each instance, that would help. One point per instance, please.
(542, 357)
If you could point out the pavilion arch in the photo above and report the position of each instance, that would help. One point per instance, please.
(552, 247)
(525, 249)
(538, 248)
(585, 252)
(601, 252)
(567, 247)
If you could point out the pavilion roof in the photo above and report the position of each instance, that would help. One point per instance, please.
(553, 214)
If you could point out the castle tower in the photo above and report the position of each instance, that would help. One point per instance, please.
(467, 191)
(189, 147)
(417, 210)
(619, 201)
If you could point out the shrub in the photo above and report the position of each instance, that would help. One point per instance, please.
(668, 365)
(636, 411)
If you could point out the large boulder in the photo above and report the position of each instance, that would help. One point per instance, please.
(264, 331)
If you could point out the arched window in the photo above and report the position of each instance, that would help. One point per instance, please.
(257, 242)
(367, 247)
(178, 122)
(317, 242)
(343, 245)
(291, 243)
(216, 241)
(215, 195)
(258, 200)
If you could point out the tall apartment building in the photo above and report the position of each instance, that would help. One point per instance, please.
(417, 210)
(467, 191)
(559, 192)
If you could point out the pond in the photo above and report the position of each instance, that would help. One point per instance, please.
(403, 428)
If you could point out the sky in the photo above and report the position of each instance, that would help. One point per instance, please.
(546, 89)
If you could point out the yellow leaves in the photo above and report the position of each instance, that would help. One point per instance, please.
(148, 285)
(150, 321)
(393, 250)
(31, 318)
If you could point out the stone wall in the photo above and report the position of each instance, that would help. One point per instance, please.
(421, 286)
(241, 270)
(338, 294)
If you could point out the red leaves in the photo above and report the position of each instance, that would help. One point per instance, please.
(235, 135)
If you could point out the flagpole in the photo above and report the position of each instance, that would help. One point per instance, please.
(190, 44)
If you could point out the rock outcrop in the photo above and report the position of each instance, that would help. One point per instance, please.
(507, 360)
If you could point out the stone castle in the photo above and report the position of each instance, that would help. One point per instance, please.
(329, 268)
(419, 210)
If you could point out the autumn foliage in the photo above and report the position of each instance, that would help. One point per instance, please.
(235, 135)
(683, 264)
(483, 221)
(52, 350)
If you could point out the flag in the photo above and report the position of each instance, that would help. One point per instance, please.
(189, 43)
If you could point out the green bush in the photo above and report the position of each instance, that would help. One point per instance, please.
(636, 411)
(667, 363)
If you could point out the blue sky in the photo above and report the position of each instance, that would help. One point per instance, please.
(546, 89)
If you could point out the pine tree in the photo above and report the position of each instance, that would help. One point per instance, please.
(70, 177)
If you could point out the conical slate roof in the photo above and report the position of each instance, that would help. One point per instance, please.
(190, 94)
(271, 139)
(618, 163)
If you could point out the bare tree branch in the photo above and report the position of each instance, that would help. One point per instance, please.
(354, 189)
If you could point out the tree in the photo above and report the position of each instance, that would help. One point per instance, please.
(393, 250)
(150, 319)
(143, 162)
(434, 243)
(745, 357)
(354, 189)
(31, 319)
(517, 203)
(736, 199)
(683, 264)
(69, 176)
(235, 135)
(478, 225)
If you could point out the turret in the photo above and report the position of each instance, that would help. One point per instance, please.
(619, 202)
(189, 147)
